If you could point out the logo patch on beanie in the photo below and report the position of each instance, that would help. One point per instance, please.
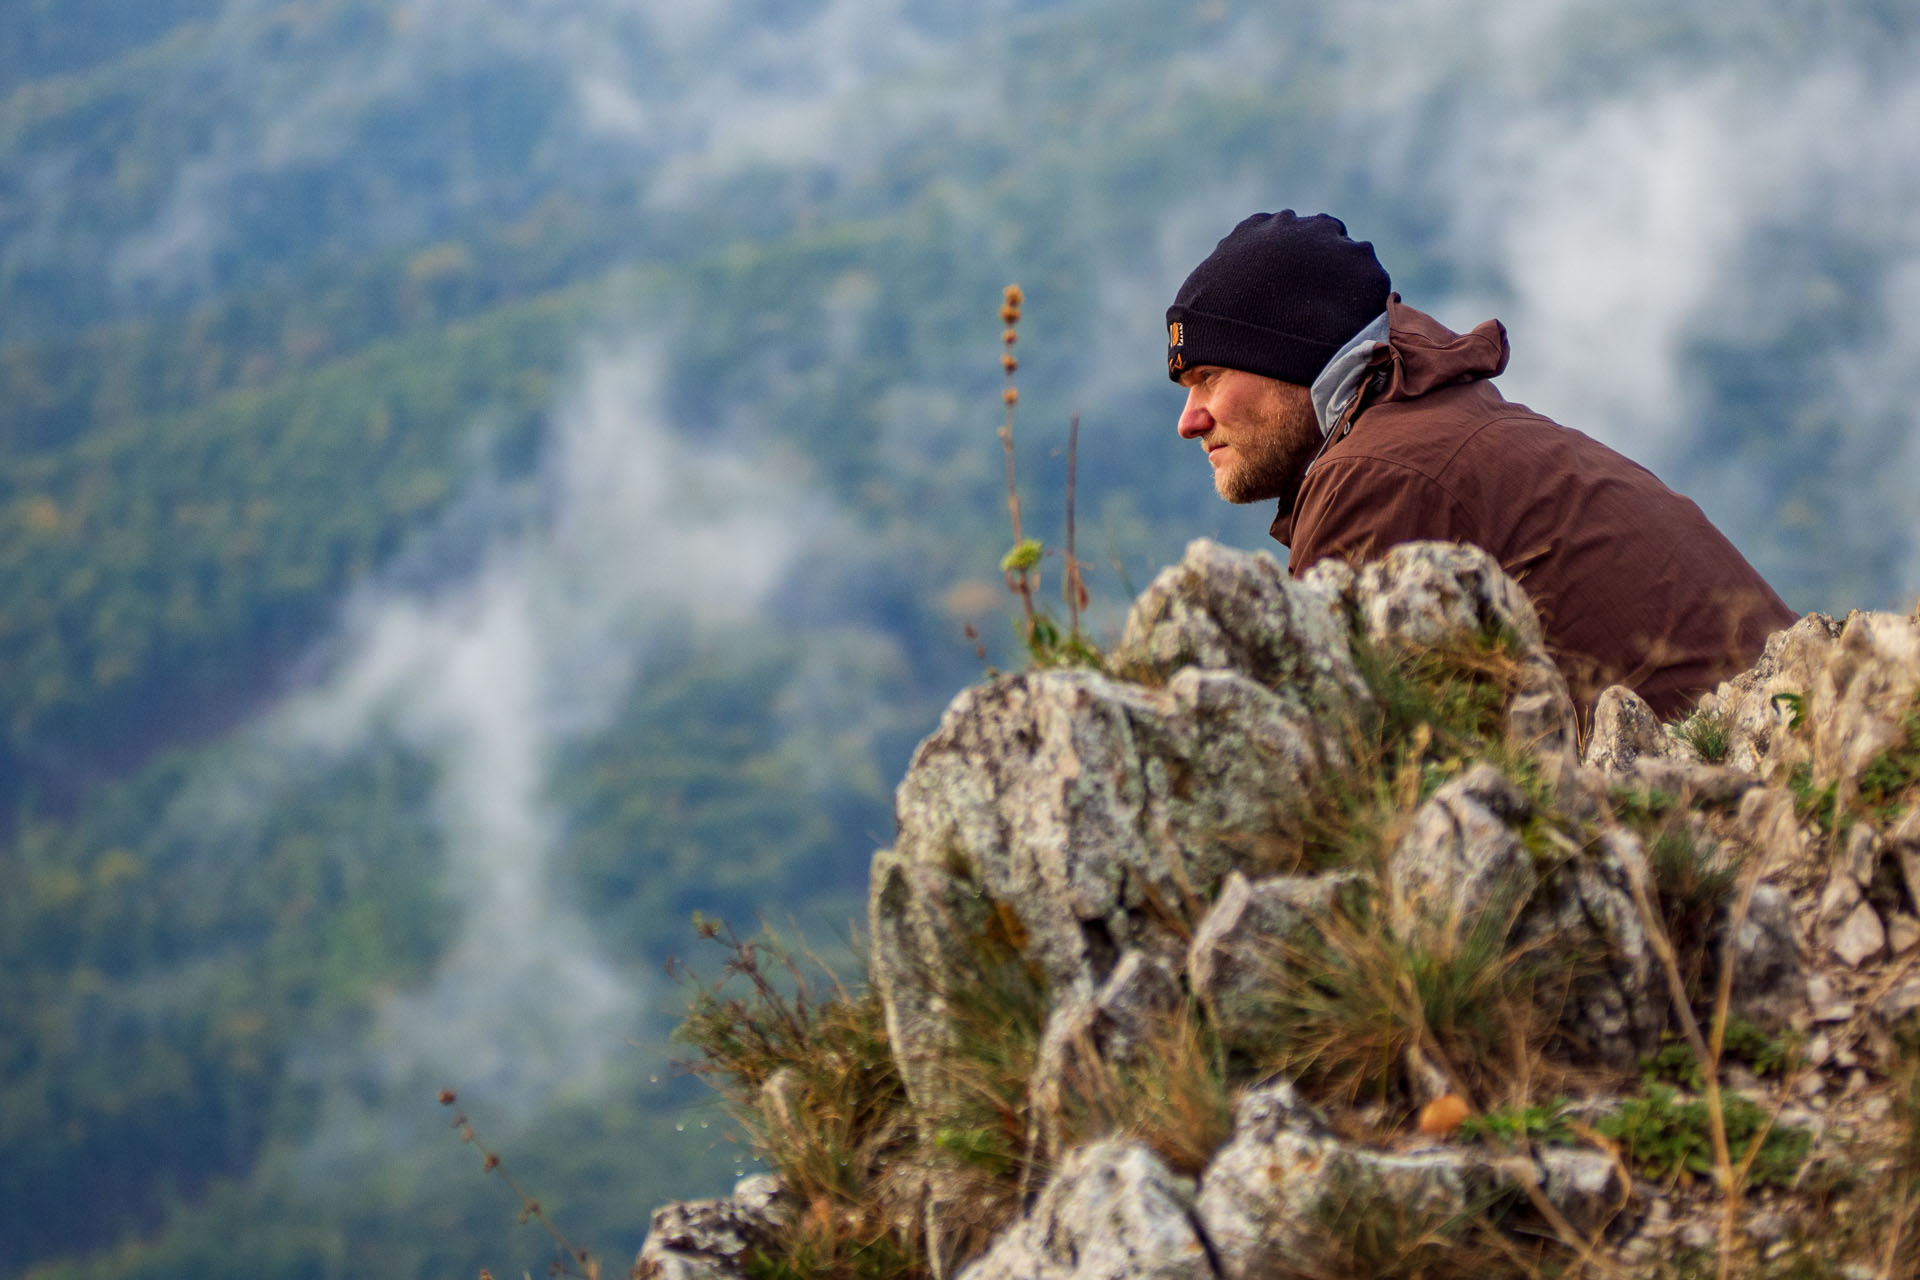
(1176, 336)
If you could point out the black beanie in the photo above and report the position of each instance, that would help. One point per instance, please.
(1278, 296)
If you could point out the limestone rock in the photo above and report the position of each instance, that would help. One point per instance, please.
(1860, 697)
(1769, 825)
(1769, 978)
(1624, 730)
(1461, 855)
(1113, 840)
(1859, 937)
(1431, 592)
(1692, 781)
(1112, 1212)
(1541, 719)
(710, 1239)
(1616, 1005)
(1903, 842)
(1220, 608)
(1746, 703)
(1069, 810)
(1585, 1186)
(1847, 685)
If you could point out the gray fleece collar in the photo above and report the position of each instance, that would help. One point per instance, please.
(1335, 386)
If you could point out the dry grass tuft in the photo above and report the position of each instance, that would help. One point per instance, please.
(1172, 1093)
(803, 1066)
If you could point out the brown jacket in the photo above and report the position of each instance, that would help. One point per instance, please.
(1633, 584)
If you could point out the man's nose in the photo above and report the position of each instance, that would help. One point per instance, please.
(1194, 419)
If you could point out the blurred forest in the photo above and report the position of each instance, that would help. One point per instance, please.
(481, 483)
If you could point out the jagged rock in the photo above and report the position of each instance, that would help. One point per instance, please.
(1069, 826)
(1862, 855)
(1746, 704)
(1769, 825)
(1859, 937)
(1541, 719)
(1823, 1003)
(1838, 899)
(1825, 696)
(1860, 697)
(1637, 753)
(1246, 933)
(1128, 801)
(710, 1239)
(1430, 592)
(1624, 730)
(1461, 856)
(1139, 993)
(1692, 781)
(1616, 1004)
(1112, 1212)
(1586, 1187)
(1900, 1003)
(1274, 1199)
(1220, 608)
(1769, 980)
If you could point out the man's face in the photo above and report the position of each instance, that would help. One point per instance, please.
(1260, 433)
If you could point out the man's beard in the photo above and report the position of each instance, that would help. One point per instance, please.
(1270, 458)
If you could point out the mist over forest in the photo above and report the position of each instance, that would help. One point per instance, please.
(481, 482)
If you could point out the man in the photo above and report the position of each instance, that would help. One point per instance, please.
(1309, 381)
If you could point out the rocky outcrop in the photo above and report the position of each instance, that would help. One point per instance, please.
(1088, 813)
(1137, 844)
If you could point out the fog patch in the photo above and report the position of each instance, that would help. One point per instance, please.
(641, 528)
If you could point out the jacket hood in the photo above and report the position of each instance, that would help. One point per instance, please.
(1425, 355)
(1419, 355)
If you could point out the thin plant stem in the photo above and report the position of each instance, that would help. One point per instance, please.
(1732, 1180)
(491, 1162)
(1020, 579)
(1071, 586)
(1707, 1054)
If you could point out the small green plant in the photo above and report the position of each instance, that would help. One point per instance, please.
(1706, 732)
(1642, 806)
(1667, 1139)
(1744, 1041)
(1766, 1054)
(1887, 779)
(1816, 804)
(1543, 1122)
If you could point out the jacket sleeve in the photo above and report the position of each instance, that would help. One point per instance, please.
(1356, 507)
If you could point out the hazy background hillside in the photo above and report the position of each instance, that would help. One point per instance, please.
(482, 481)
